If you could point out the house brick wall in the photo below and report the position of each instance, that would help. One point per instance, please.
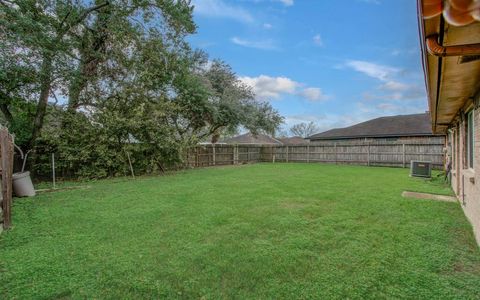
(466, 181)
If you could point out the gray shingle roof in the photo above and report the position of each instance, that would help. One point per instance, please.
(395, 126)
(294, 140)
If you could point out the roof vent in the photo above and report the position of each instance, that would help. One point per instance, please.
(469, 58)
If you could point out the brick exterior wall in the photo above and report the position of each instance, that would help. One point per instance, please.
(466, 181)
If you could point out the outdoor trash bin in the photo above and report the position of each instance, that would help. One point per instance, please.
(22, 184)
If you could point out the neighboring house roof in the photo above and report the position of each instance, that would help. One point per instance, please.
(210, 143)
(395, 126)
(249, 138)
(294, 140)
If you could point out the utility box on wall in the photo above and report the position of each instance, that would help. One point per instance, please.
(420, 168)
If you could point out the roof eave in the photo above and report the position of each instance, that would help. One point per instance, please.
(421, 32)
(376, 136)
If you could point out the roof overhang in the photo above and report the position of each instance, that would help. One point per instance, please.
(452, 81)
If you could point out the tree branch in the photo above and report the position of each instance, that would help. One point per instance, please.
(82, 17)
(89, 10)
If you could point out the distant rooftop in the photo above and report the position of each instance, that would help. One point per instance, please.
(394, 126)
(294, 140)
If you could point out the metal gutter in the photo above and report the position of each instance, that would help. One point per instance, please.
(421, 30)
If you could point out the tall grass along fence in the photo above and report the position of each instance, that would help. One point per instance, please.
(391, 154)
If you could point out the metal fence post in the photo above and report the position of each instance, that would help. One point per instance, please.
(53, 168)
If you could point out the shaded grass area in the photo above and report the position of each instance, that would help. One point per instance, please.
(257, 231)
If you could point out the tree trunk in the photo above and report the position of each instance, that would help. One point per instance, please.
(45, 86)
(76, 87)
(4, 101)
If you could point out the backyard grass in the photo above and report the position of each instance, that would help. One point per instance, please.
(257, 231)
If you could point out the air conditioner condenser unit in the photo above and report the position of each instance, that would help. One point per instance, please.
(420, 168)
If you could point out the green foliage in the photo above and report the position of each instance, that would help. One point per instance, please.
(82, 79)
(269, 231)
(97, 150)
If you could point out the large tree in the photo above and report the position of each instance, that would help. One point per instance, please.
(222, 103)
(304, 129)
(66, 42)
(91, 78)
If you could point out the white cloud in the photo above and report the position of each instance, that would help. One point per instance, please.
(263, 45)
(317, 40)
(393, 85)
(268, 88)
(391, 88)
(395, 90)
(267, 26)
(313, 94)
(377, 71)
(220, 9)
(325, 121)
(405, 51)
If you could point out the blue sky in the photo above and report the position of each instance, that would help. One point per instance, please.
(332, 62)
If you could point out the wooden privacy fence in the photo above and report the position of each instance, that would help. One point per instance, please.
(392, 154)
(6, 165)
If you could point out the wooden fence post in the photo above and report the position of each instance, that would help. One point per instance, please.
(213, 154)
(274, 151)
(335, 150)
(237, 154)
(287, 153)
(403, 151)
(368, 154)
(53, 168)
(196, 157)
(6, 144)
(308, 153)
(233, 154)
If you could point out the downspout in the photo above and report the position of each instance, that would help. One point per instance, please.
(435, 49)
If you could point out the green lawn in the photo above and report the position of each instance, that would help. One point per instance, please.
(257, 231)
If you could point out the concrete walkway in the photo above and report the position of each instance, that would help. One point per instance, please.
(444, 198)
